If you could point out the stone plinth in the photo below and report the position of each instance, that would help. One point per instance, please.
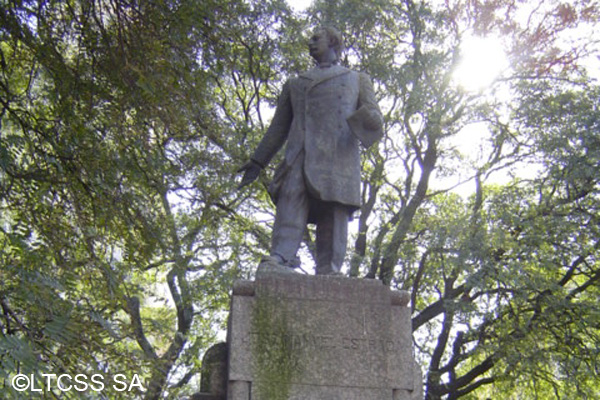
(298, 337)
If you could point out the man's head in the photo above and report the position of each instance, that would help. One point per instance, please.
(326, 42)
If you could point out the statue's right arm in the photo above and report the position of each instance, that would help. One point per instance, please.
(273, 140)
(279, 129)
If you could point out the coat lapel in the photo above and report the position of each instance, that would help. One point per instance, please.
(319, 75)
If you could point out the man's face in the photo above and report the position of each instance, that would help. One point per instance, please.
(318, 45)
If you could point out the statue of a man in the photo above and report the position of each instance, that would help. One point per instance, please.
(322, 114)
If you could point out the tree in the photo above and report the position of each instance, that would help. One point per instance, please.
(476, 313)
(123, 124)
(113, 188)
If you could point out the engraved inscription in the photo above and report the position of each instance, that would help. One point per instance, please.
(366, 344)
(310, 342)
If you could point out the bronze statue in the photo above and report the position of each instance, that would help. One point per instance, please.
(322, 114)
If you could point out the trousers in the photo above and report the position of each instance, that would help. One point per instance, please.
(294, 204)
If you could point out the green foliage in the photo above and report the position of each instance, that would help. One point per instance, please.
(499, 280)
(113, 190)
(121, 232)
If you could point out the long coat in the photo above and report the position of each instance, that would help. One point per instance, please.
(315, 113)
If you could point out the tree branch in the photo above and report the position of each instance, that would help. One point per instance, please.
(133, 309)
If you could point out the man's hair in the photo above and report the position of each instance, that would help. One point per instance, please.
(335, 40)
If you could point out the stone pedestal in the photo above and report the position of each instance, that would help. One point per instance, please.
(298, 337)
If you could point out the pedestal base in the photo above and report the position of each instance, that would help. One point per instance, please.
(298, 337)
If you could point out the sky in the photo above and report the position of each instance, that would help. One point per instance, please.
(483, 60)
(299, 5)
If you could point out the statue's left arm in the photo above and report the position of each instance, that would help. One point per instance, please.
(373, 120)
(366, 123)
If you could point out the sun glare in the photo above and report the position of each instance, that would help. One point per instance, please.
(299, 5)
(482, 61)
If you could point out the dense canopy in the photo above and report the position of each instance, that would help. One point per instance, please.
(122, 124)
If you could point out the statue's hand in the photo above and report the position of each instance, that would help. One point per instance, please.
(251, 171)
(373, 121)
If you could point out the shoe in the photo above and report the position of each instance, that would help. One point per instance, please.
(272, 265)
(334, 274)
